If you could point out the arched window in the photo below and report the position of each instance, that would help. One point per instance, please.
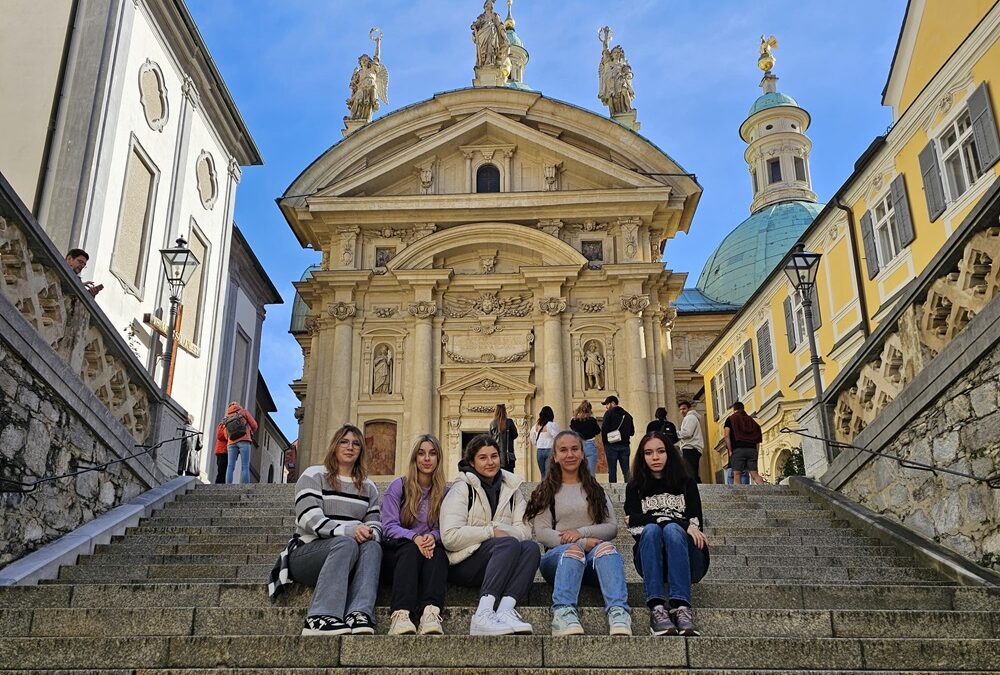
(488, 179)
(270, 474)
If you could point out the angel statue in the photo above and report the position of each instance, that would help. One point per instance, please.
(369, 83)
(766, 59)
(615, 75)
(490, 37)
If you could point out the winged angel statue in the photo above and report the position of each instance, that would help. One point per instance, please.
(615, 75)
(369, 83)
(488, 303)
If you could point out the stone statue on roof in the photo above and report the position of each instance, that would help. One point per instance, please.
(369, 83)
(615, 76)
(490, 38)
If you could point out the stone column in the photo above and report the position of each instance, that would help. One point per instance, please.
(422, 388)
(313, 446)
(638, 392)
(653, 384)
(667, 323)
(552, 361)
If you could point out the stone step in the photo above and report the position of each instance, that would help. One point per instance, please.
(117, 622)
(590, 651)
(477, 671)
(707, 594)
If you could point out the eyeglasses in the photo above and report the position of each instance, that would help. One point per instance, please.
(353, 444)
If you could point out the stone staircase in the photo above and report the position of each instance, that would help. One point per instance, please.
(791, 588)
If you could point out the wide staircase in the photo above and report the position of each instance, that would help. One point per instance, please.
(791, 588)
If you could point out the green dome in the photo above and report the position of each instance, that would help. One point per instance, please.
(739, 265)
(514, 40)
(773, 99)
(300, 310)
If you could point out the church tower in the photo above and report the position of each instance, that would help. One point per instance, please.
(778, 148)
(518, 54)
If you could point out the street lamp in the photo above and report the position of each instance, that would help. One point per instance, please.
(801, 270)
(179, 264)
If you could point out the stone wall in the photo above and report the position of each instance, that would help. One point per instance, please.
(959, 431)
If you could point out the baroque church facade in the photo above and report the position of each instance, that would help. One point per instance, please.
(488, 245)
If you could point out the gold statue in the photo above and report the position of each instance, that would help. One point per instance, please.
(766, 59)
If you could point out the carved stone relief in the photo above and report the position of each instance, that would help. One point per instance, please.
(384, 311)
(594, 365)
(552, 306)
(422, 309)
(382, 370)
(489, 303)
(592, 307)
(630, 237)
(635, 303)
(341, 311)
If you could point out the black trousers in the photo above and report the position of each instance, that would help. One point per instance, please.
(693, 458)
(416, 581)
(221, 464)
(500, 566)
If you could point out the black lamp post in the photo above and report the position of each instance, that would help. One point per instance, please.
(801, 269)
(179, 264)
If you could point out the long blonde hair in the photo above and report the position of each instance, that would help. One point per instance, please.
(359, 472)
(409, 509)
(584, 410)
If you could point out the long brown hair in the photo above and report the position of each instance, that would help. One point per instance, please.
(544, 496)
(500, 417)
(359, 472)
(584, 410)
(675, 473)
(409, 509)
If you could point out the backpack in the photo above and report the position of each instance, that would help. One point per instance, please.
(235, 424)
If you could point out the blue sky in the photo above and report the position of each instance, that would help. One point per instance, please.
(288, 62)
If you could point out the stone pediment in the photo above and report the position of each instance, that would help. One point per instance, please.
(486, 381)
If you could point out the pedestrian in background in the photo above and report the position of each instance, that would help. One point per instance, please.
(585, 424)
(692, 438)
(543, 436)
(221, 453)
(661, 424)
(503, 429)
(617, 429)
(240, 427)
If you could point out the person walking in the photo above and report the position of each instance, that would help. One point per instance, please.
(488, 543)
(503, 429)
(573, 518)
(413, 557)
(743, 436)
(663, 425)
(240, 427)
(221, 453)
(617, 428)
(663, 514)
(585, 424)
(335, 548)
(543, 435)
(691, 438)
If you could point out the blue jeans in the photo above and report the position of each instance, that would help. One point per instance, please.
(617, 453)
(567, 573)
(543, 459)
(668, 546)
(744, 477)
(590, 452)
(241, 450)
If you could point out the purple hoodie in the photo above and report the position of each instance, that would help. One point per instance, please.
(391, 505)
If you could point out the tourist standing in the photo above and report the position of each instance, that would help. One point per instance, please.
(663, 425)
(413, 557)
(543, 435)
(221, 453)
(503, 429)
(573, 518)
(617, 429)
(489, 545)
(663, 515)
(743, 436)
(240, 427)
(585, 424)
(692, 438)
(335, 548)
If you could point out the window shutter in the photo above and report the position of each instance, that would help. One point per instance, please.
(984, 126)
(868, 241)
(715, 398)
(933, 187)
(730, 384)
(764, 355)
(817, 318)
(901, 208)
(748, 365)
(789, 324)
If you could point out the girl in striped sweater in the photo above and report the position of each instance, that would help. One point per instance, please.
(336, 546)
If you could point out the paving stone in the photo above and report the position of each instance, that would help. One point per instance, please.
(118, 622)
(47, 653)
(137, 595)
(239, 652)
(13, 597)
(758, 652)
(913, 624)
(614, 652)
(927, 654)
(448, 651)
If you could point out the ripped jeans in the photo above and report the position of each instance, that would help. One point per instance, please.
(566, 567)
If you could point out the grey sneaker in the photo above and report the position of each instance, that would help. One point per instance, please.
(660, 622)
(565, 621)
(619, 621)
(684, 620)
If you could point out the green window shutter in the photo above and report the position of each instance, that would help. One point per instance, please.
(930, 171)
(868, 241)
(730, 384)
(764, 355)
(789, 324)
(748, 365)
(901, 209)
(715, 398)
(984, 126)
(817, 318)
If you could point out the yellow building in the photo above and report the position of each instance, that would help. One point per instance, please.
(908, 193)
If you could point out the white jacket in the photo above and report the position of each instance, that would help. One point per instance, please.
(690, 433)
(463, 529)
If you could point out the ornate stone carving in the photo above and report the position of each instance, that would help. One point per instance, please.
(593, 226)
(422, 309)
(206, 179)
(382, 370)
(369, 84)
(551, 174)
(594, 365)
(488, 329)
(630, 237)
(487, 357)
(153, 95)
(488, 264)
(592, 307)
(489, 303)
(488, 385)
(635, 303)
(190, 93)
(341, 311)
(384, 311)
(481, 409)
(669, 316)
(552, 306)
(311, 324)
(615, 76)
(551, 227)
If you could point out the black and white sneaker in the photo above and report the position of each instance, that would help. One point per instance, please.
(360, 623)
(324, 624)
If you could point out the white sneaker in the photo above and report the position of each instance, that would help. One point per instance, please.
(430, 621)
(400, 623)
(485, 622)
(511, 618)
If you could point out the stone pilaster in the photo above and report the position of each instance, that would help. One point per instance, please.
(552, 360)
(636, 377)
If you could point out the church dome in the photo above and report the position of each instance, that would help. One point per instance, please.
(512, 37)
(739, 265)
(771, 99)
(300, 310)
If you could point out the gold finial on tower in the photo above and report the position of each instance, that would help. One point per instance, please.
(766, 59)
(509, 22)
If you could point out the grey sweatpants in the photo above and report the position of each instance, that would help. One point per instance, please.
(343, 572)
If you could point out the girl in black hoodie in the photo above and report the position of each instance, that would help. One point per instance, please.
(663, 514)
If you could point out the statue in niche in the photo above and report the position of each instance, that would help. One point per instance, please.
(490, 37)
(382, 371)
(593, 366)
(369, 83)
(615, 76)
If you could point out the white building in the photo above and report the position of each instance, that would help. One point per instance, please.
(119, 134)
